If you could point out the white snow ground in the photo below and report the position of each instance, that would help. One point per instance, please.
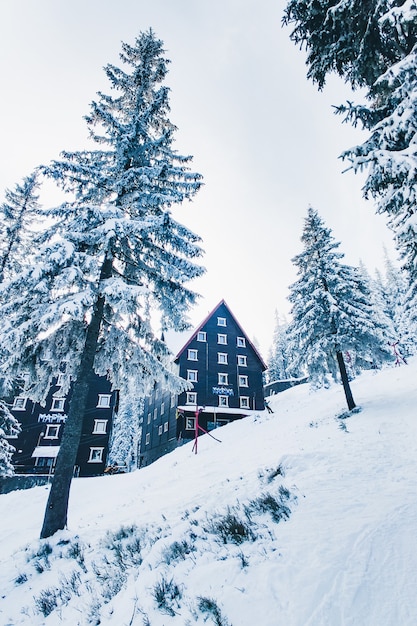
(347, 555)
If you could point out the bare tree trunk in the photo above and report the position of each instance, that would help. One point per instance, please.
(345, 381)
(57, 506)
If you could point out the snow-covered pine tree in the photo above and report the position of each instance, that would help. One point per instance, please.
(279, 357)
(17, 214)
(126, 432)
(112, 259)
(331, 314)
(394, 294)
(373, 45)
(9, 427)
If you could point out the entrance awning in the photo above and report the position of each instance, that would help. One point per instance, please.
(45, 451)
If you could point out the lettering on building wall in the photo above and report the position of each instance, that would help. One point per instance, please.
(52, 418)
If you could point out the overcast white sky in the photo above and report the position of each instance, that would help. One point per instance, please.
(266, 142)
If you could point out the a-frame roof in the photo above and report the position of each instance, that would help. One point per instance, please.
(204, 322)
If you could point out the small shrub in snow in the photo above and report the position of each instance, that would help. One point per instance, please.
(165, 593)
(76, 552)
(231, 529)
(20, 579)
(177, 550)
(208, 606)
(267, 503)
(47, 601)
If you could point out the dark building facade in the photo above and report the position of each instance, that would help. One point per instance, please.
(38, 443)
(224, 370)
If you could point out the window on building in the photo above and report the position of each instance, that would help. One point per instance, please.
(222, 358)
(149, 418)
(222, 339)
(243, 381)
(96, 455)
(191, 397)
(190, 423)
(147, 439)
(223, 379)
(221, 321)
(192, 375)
(60, 379)
(244, 402)
(241, 360)
(162, 408)
(155, 413)
(100, 427)
(165, 427)
(241, 342)
(52, 431)
(103, 401)
(192, 355)
(201, 336)
(19, 404)
(223, 401)
(160, 430)
(57, 404)
(173, 400)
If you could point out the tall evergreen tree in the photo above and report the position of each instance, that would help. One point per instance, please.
(279, 358)
(330, 310)
(17, 215)
(112, 259)
(373, 44)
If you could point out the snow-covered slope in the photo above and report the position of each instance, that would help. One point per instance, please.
(297, 518)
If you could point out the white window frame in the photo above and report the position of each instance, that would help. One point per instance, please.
(201, 335)
(155, 413)
(242, 360)
(243, 381)
(103, 401)
(149, 417)
(221, 321)
(162, 408)
(222, 358)
(147, 439)
(52, 431)
(240, 342)
(96, 455)
(190, 423)
(160, 430)
(191, 397)
(173, 400)
(58, 405)
(192, 354)
(166, 426)
(19, 404)
(244, 402)
(223, 378)
(100, 427)
(223, 401)
(222, 339)
(192, 376)
(60, 379)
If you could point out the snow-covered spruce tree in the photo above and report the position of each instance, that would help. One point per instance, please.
(9, 427)
(331, 314)
(125, 435)
(373, 44)
(279, 358)
(17, 214)
(393, 293)
(113, 258)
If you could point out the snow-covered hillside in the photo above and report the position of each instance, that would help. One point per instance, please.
(297, 518)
